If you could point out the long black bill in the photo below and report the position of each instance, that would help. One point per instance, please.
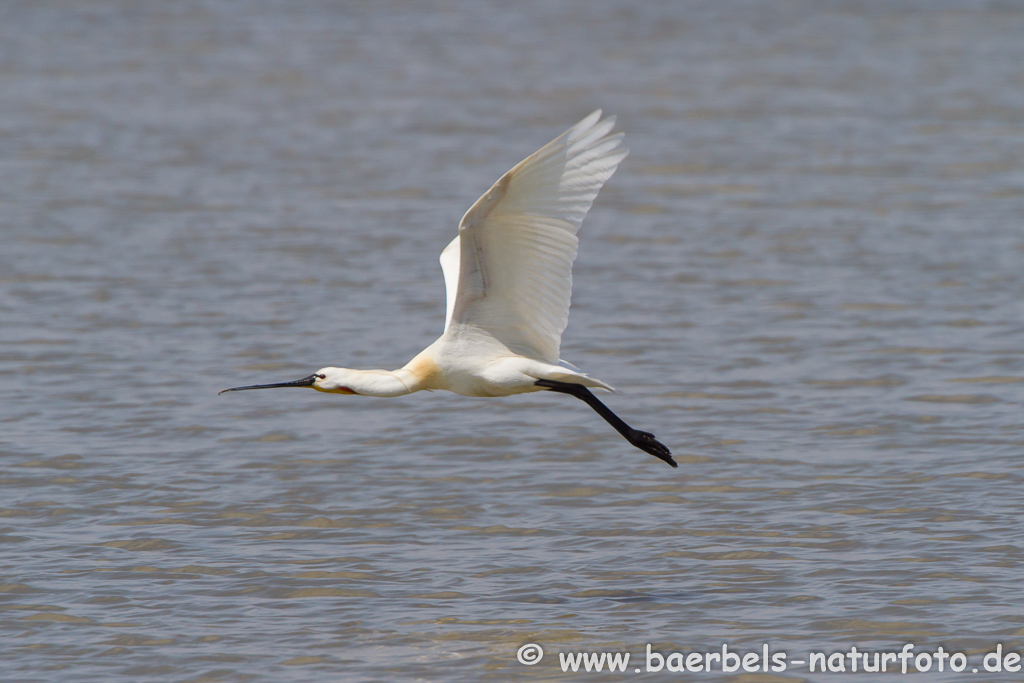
(304, 382)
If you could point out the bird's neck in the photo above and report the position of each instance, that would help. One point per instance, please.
(382, 383)
(419, 373)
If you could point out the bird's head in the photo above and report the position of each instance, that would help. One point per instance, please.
(335, 380)
(331, 380)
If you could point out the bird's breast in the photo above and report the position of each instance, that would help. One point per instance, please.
(424, 371)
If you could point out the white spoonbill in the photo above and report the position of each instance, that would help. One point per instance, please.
(508, 275)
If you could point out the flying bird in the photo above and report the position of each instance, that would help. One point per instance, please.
(508, 276)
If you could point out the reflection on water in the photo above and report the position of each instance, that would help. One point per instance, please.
(806, 279)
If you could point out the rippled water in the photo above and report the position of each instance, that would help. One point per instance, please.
(806, 279)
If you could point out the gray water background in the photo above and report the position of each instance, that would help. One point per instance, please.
(806, 279)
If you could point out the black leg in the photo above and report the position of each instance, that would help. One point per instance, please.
(645, 441)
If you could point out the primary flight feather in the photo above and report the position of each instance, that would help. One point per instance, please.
(508, 278)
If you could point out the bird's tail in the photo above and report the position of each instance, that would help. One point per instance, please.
(564, 374)
(595, 383)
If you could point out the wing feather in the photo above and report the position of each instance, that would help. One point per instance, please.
(517, 243)
(450, 267)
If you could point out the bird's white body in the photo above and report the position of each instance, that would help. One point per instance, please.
(463, 366)
(508, 276)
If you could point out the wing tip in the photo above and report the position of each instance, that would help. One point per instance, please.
(592, 131)
(590, 119)
(587, 124)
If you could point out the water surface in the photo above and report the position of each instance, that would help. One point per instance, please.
(806, 279)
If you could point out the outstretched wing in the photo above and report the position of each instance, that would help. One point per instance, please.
(450, 267)
(516, 244)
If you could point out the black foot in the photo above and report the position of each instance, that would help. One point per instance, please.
(645, 441)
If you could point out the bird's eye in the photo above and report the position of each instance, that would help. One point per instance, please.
(321, 376)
